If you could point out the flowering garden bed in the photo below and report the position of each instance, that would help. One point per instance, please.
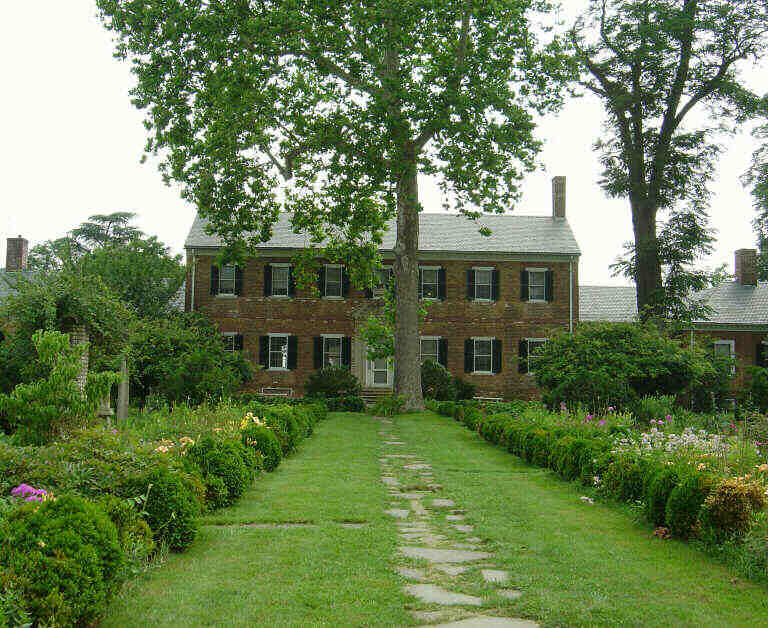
(688, 483)
(81, 515)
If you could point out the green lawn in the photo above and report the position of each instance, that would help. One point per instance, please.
(576, 564)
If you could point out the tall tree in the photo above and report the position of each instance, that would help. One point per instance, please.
(757, 177)
(349, 101)
(668, 73)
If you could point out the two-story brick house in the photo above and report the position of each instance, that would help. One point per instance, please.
(491, 299)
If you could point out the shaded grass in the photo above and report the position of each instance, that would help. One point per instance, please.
(578, 565)
(323, 575)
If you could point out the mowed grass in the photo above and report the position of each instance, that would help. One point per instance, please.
(319, 575)
(577, 564)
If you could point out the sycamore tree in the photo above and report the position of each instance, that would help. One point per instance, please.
(331, 110)
(668, 73)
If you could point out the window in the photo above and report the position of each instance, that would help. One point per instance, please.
(483, 355)
(281, 277)
(430, 283)
(727, 349)
(383, 277)
(430, 349)
(333, 280)
(278, 352)
(534, 346)
(483, 284)
(227, 280)
(537, 284)
(332, 352)
(229, 339)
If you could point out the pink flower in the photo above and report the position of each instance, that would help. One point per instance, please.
(589, 417)
(603, 422)
(114, 432)
(669, 417)
(610, 409)
(653, 420)
(661, 422)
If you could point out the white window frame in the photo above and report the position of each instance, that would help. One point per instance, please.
(490, 270)
(287, 281)
(222, 292)
(226, 335)
(378, 291)
(421, 347)
(436, 283)
(528, 342)
(341, 282)
(530, 272)
(731, 344)
(341, 347)
(284, 367)
(475, 340)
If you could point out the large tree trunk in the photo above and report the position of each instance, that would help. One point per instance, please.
(647, 263)
(406, 270)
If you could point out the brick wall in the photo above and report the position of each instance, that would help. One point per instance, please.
(745, 342)
(456, 318)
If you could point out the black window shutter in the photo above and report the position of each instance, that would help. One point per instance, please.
(321, 281)
(421, 284)
(524, 285)
(441, 293)
(522, 354)
(239, 342)
(267, 280)
(293, 352)
(495, 285)
(346, 352)
(496, 356)
(471, 284)
(318, 342)
(369, 293)
(214, 280)
(442, 356)
(291, 282)
(264, 351)
(238, 281)
(469, 355)
(760, 353)
(344, 283)
(549, 286)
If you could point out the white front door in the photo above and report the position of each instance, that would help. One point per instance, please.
(380, 373)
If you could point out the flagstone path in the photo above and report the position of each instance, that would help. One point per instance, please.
(437, 546)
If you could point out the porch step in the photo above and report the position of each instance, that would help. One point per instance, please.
(372, 395)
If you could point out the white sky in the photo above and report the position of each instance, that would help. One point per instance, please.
(72, 141)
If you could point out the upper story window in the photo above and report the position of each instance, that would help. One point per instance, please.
(334, 280)
(726, 349)
(483, 283)
(430, 349)
(227, 280)
(536, 284)
(281, 279)
(431, 282)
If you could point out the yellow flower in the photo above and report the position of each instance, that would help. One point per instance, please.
(701, 466)
(763, 468)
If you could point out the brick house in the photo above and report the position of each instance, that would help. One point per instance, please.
(16, 253)
(738, 325)
(491, 299)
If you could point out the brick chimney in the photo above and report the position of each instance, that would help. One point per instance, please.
(746, 267)
(16, 254)
(558, 197)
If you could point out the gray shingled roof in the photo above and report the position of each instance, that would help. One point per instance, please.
(441, 232)
(733, 304)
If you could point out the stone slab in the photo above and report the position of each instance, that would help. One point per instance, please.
(510, 594)
(394, 442)
(416, 466)
(432, 594)
(398, 513)
(443, 555)
(494, 575)
(431, 617)
(412, 574)
(454, 517)
(390, 481)
(463, 527)
(413, 496)
(451, 570)
(489, 622)
(418, 507)
(443, 503)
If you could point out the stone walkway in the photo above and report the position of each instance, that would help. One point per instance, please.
(438, 545)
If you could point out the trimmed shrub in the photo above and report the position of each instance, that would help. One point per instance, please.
(64, 558)
(390, 405)
(730, 507)
(625, 477)
(471, 417)
(345, 404)
(566, 455)
(464, 389)
(446, 408)
(168, 505)
(225, 459)
(684, 504)
(436, 382)
(332, 381)
(659, 488)
(263, 440)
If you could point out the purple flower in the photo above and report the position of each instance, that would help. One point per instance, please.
(610, 408)
(589, 417)
(661, 422)
(603, 422)
(114, 432)
(669, 417)
(22, 490)
(653, 420)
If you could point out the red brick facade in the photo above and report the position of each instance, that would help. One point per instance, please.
(456, 318)
(745, 344)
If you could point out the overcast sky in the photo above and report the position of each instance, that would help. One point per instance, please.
(72, 141)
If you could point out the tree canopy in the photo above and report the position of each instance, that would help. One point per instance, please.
(669, 75)
(350, 102)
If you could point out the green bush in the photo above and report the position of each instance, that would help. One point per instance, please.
(756, 388)
(566, 455)
(659, 487)
(464, 389)
(168, 505)
(436, 382)
(446, 408)
(684, 504)
(332, 381)
(730, 506)
(624, 478)
(614, 364)
(263, 440)
(63, 556)
(471, 417)
(345, 404)
(390, 405)
(649, 407)
(133, 533)
(224, 459)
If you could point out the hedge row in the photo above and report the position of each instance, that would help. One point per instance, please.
(62, 557)
(685, 501)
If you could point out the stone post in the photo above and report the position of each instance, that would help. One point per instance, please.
(78, 335)
(123, 391)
